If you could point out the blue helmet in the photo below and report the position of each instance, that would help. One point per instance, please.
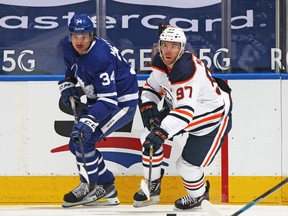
(80, 23)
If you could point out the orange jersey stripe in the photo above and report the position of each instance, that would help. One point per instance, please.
(147, 160)
(183, 112)
(158, 69)
(216, 144)
(161, 93)
(191, 185)
(204, 120)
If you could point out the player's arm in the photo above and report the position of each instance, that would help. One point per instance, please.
(67, 86)
(182, 114)
(184, 95)
(150, 98)
(106, 103)
(152, 90)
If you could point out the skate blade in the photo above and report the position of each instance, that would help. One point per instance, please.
(104, 202)
(188, 209)
(154, 200)
(82, 202)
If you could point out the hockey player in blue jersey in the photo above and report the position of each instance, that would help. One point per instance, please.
(111, 89)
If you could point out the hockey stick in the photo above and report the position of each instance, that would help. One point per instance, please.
(82, 170)
(145, 186)
(209, 208)
(150, 167)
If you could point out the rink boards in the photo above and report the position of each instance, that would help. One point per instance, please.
(38, 168)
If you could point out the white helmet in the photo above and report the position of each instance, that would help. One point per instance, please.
(173, 34)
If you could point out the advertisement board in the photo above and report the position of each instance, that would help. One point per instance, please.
(31, 32)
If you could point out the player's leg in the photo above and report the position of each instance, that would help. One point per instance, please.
(194, 182)
(140, 199)
(106, 192)
(157, 172)
(85, 191)
(199, 152)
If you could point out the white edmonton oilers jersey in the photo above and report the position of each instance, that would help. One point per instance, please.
(195, 100)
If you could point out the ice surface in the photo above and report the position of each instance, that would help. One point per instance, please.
(129, 210)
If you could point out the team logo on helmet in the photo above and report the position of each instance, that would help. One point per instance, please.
(174, 35)
(81, 23)
(78, 21)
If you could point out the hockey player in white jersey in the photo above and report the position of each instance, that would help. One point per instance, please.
(111, 89)
(199, 105)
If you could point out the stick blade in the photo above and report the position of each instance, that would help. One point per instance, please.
(210, 209)
(144, 188)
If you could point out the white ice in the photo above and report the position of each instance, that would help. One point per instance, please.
(129, 210)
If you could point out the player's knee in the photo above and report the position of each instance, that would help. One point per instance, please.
(187, 170)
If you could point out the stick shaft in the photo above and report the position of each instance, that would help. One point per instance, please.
(150, 167)
(261, 197)
(73, 106)
(150, 158)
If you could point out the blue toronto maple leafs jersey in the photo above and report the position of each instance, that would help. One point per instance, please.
(106, 78)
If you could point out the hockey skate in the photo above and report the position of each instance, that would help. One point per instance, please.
(106, 195)
(141, 200)
(188, 202)
(82, 194)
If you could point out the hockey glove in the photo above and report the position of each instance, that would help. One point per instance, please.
(83, 129)
(150, 115)
(156, 138)
(67, 89)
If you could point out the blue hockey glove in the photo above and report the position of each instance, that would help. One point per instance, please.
(156, 138)
(83, 129)
(67, 89)
(150, 115)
